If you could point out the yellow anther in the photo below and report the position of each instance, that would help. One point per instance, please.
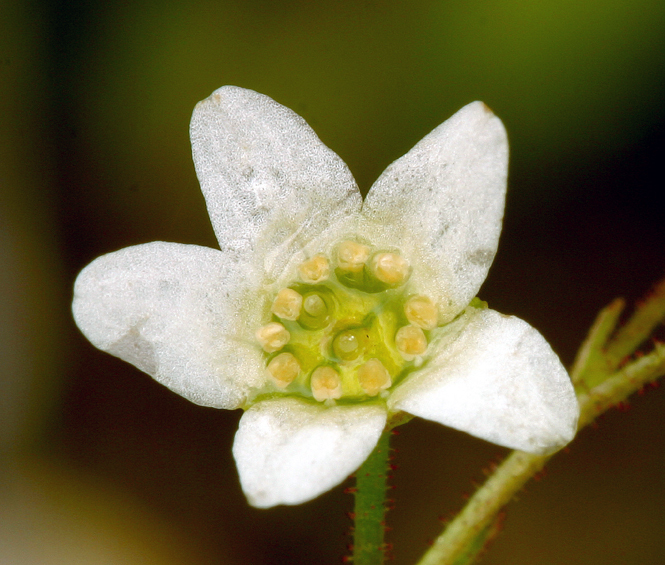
(315, 270)
(352, 256)
(390, 268)
(373, 377)
(287, 304)
(272, 337)
(283, 369)
(410, 341)
(326, 384)
(314, 305)
(421, 312)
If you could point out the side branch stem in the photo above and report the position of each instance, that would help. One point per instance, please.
(483, 507)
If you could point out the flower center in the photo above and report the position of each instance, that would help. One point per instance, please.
(347, 329)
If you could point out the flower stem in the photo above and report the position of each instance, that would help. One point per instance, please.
(370, 506)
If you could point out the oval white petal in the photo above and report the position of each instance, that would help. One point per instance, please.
(498, 380)
(289, 451)
(442, 204)
(173, 311)
(270, 184)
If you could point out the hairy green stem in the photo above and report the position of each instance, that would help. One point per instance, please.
(482, 508)
(370, 506)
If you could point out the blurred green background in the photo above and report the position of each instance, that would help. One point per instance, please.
(102, 465)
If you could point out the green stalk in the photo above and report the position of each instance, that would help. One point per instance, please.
(370, 506)
(451, 546)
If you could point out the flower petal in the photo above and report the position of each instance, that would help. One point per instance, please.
(442, 203)
(289, 451)
(270, 184)
(173, 311)
(499, 380)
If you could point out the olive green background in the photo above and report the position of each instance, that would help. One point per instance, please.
(102, 465)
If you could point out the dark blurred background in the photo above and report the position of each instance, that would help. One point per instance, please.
(102, 465)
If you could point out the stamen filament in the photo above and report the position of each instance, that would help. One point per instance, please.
(272, 337)
(390, 268)
(352, 256)
(326, 384)
(314, 305)
(410, 341)
(283, 369)
(421, 312)
(315, 270)
(287, 304)
(373, 377)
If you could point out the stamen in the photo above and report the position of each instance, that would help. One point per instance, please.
(315, 270)
(326, 384)
(421, 312)
(390, 268)
(283, 369)
(314, 305)
(272, 337)
(352, 256)
(339, 312)
(348, 344)
(410, 341)
(373, 377)
(287, 304)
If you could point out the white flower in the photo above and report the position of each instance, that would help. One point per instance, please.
(377, 317)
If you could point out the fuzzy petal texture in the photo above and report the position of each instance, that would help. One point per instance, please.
(176, 312)
(270, 184)
(289, 451)
(442, 204)
(499, 380)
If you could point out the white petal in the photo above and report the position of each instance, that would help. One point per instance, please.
(289, 451)
(270, 184)
(442, 204)
(499, 380)
(173, 311)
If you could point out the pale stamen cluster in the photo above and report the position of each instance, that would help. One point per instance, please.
(350, 347)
